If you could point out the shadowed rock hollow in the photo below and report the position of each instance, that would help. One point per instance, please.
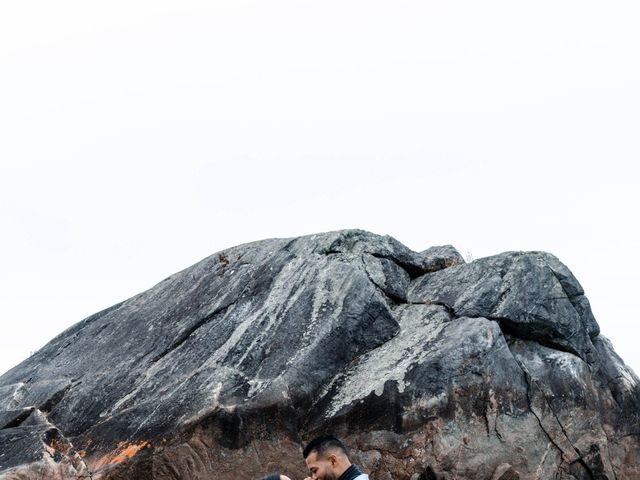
(427, 366)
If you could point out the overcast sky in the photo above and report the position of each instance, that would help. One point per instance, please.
(137, 138)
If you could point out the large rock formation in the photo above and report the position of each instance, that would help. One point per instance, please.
(428, 367)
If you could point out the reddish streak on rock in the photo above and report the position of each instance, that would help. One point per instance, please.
(124, 452)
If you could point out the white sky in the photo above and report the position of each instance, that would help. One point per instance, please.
(138, 137)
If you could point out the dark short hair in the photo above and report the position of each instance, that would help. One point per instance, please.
(273, 476)
(322, 444)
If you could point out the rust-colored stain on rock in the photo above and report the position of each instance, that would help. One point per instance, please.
(124, 451)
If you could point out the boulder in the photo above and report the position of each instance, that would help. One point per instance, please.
(428, 367)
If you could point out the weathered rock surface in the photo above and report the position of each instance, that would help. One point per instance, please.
(428, 367)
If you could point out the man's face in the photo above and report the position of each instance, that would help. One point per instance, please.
(321, 468)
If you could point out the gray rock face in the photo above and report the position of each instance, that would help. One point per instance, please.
(428, 367)
(531, 294)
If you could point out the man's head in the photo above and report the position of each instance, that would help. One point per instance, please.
(326, 458)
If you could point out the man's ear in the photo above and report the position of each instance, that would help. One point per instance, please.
(333, 459)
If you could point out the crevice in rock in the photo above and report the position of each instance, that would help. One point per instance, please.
(428, 474)
(21, 417)
(564, 432)
(613, 467)
(184, 336)
(488, 421)
(530, 385)
(448, 308)
(579, 467)
(62, 349)
(413, 270)
(615, 393)
(528, 379)
(507, 326)
(332, 252)
(55, 399)
(395, 300)
(511, 328)
(569, 296)
(502, 297)
(574, 305)
(287, 246)
(102, 328)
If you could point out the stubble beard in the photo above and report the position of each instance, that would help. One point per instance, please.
(330, 476)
